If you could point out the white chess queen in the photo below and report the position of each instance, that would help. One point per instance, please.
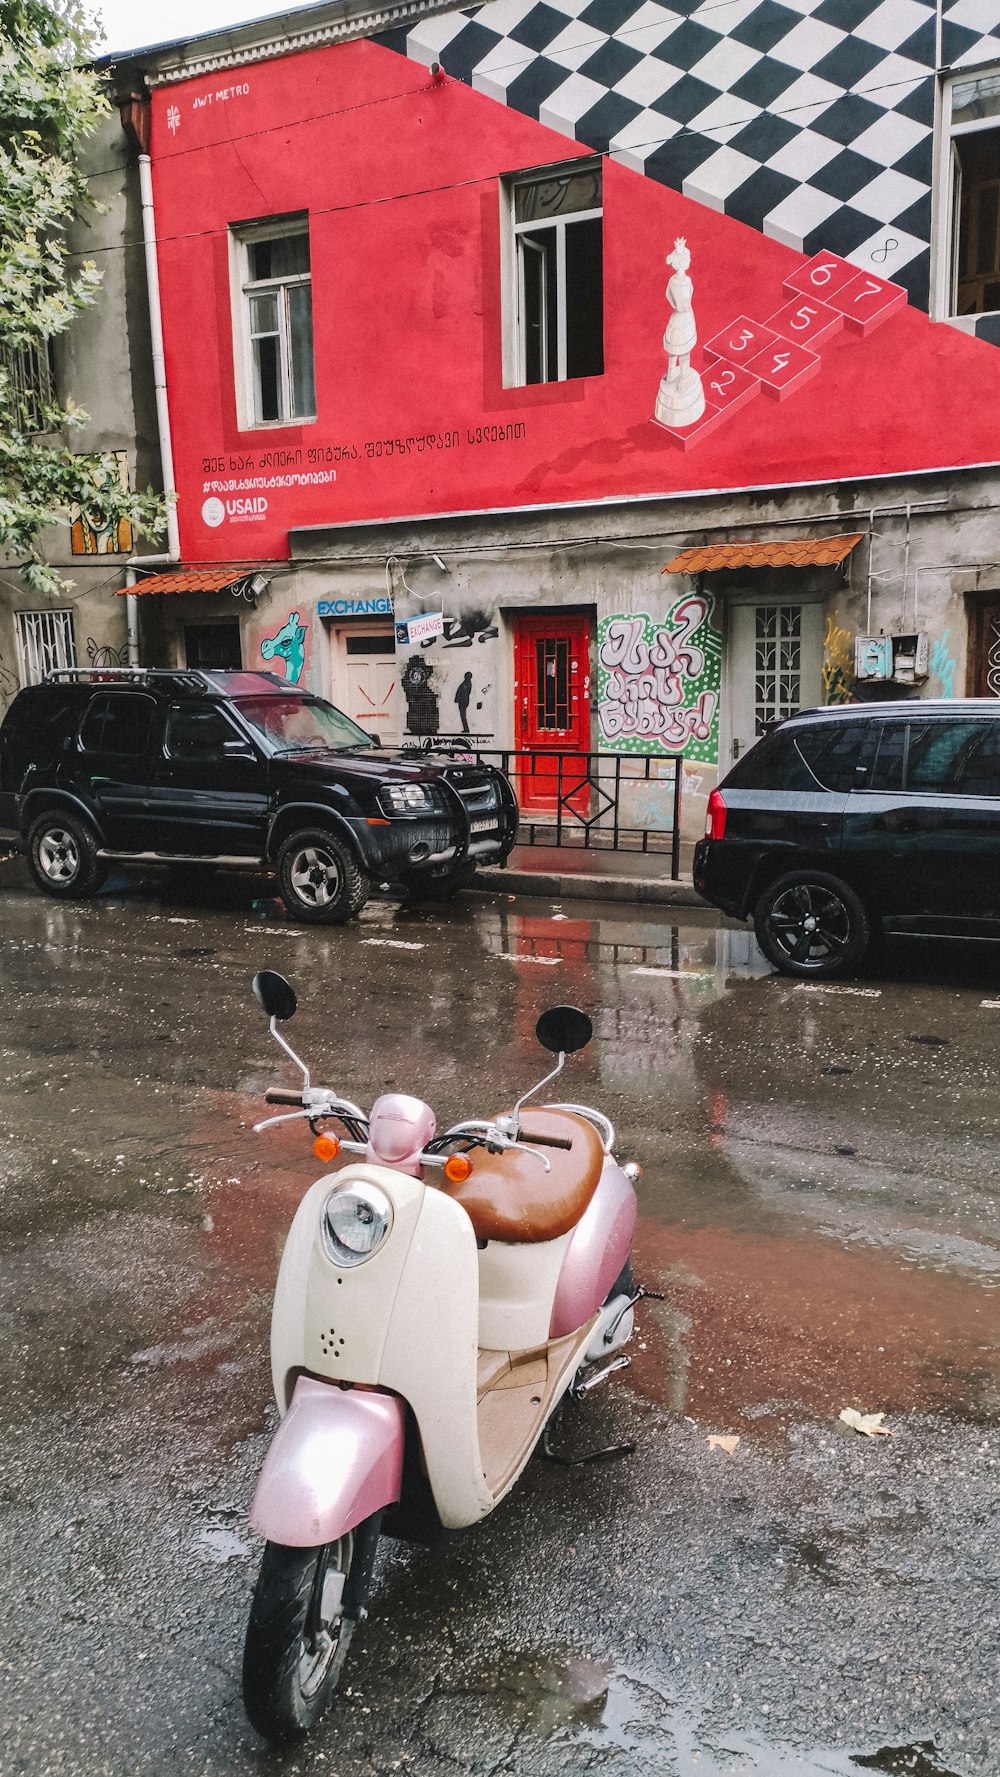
(681, 398)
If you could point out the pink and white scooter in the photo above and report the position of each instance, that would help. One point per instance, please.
(438, 1299)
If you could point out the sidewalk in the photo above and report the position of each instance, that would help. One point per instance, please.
(568, 873)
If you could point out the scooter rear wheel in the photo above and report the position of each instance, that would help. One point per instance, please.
(298, 1636)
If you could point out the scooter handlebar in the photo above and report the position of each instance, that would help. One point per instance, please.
(280, 1095)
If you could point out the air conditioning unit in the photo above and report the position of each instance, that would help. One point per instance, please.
(901, 659)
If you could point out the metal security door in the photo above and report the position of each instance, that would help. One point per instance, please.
(775, 667)
(552, 710)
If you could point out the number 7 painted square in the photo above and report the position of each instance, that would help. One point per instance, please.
(866, 302)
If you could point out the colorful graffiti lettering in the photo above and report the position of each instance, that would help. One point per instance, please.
(943, 665)
(838, 664)
(658, 681)
(288, 644)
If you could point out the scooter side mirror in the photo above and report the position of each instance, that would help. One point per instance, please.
(274, 994)
(564, 1029)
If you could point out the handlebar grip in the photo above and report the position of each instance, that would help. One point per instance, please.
(546, 1141)
(279, 1095)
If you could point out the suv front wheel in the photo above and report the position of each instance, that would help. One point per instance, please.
(319, 879)
(62, 856)
(811, 925)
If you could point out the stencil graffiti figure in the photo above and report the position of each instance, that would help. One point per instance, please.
(288, 645)
(462, 697)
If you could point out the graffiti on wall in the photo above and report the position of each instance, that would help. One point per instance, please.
(287, 645)
(108, 655)
(943, 665)
(92, 535)
(658, 681)
(838, 664)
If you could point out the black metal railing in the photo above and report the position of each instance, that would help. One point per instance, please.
(627, 802)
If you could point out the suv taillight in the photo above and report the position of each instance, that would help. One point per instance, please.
(715, 818)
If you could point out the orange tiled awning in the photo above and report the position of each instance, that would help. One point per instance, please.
(193, 579)
(788, 552)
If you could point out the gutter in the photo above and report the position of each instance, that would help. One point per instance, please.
(134, 110)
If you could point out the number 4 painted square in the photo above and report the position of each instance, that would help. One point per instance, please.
(866, 302)
(783, 368)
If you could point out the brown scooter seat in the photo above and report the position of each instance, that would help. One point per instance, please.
(510, 1196)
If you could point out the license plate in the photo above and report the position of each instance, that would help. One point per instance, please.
(483, 826)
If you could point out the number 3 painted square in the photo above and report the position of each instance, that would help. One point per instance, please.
(739, 342)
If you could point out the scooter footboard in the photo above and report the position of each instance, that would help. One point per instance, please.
(337, 1456)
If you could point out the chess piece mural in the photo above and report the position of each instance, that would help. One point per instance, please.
(681, 398)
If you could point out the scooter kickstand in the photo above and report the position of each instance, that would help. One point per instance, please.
(577, 1392)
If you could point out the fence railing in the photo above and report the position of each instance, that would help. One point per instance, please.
(627, 802)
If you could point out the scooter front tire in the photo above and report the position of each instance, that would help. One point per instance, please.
(298, 1635)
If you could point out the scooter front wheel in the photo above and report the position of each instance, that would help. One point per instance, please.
(299, 1632)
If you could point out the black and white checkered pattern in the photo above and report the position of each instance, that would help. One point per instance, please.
(970, 33)
(810, 120)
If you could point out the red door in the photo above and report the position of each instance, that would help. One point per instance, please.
(552, 711)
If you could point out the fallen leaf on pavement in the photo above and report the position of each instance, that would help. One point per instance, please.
(727, 1444)
(868, 1424)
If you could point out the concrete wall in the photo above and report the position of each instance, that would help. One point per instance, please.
(103, 362)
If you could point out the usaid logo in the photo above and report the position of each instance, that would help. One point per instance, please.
(213, 511)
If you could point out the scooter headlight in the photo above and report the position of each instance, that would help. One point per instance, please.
(356, 1220)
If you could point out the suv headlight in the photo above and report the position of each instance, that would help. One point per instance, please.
(356, 1221)
(408, 799)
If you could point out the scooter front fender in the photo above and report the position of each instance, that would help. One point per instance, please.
(337, 1456)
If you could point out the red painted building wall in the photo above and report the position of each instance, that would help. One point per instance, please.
(399, 177)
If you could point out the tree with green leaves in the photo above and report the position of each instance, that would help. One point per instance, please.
(50, 103)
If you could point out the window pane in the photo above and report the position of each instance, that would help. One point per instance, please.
(585, 298)
(198, 733)
(301, 350)
(887, 772)
(940, 752)
(539, 320)
(973, 99)
(263, 314)
(832, 751)
(978, 266)
(979, 767)
(561, 195)
(284, 256)
(267, 378)
(126, 724)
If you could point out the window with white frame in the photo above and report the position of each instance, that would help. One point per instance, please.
(972, 110)
(276, 316)
(45, 642)
(557, 274)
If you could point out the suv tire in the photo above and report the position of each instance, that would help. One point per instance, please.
(62, 856)
(811, 925)
(319, 881)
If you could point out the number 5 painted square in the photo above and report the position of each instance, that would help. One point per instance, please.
(806, 320)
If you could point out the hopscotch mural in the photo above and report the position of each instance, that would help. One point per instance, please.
(658, 681)
(287, 646)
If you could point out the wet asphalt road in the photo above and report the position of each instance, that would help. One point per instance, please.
(819, 1205)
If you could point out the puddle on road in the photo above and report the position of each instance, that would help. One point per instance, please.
(567, 1700)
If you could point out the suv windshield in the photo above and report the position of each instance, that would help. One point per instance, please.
(301, 725)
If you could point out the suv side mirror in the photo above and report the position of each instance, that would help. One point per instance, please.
(564, 1029)
(238, 749)
(274, 994)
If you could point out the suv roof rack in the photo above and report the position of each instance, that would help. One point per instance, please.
(190, 677)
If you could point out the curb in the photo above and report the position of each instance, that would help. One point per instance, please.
(650, 891)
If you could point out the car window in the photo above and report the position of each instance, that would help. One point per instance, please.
(832, 751)
(197, 733)
(302, 724)
(809, 756)
(772, 763)
(118, 724)
(948, 757)
(887, 769)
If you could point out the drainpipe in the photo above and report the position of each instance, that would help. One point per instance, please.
(135, 113)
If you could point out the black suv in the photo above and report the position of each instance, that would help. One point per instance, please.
(239, 769)
(841, 823)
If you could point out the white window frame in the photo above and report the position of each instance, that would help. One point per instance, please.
(947, 204)
(243, 287)
(514, 334)
(45, 643)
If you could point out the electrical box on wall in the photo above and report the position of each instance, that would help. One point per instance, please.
(901, 659)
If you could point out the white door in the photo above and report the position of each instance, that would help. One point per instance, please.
(365, 679)
(775, 667)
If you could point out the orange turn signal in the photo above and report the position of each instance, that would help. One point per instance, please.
(457, 1168)
(326, 1147)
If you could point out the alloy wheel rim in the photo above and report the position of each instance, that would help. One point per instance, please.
(59, 855)
(810, 925)
(325, 1619)
(315, 876)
